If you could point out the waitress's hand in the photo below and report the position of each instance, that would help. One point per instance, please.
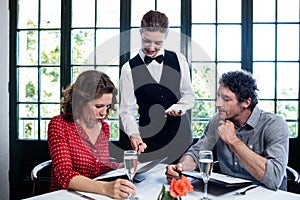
(177, 109)
(137, 143)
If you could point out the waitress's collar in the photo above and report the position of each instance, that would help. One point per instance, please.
(161, 52)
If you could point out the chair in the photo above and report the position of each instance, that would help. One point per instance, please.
(35, 176)
(293, 180)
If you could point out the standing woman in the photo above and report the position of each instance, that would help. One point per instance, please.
(78, 139)
(152, 82)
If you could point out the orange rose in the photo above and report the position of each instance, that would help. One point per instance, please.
(180, 187)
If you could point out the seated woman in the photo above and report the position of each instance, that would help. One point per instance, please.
(78, 138)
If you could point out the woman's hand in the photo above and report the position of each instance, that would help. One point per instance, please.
(137, 143)
(120, 189)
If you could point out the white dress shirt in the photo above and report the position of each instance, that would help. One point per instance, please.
(128, 105)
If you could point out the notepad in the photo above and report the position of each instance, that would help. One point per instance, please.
(141, 169)
(221, 179)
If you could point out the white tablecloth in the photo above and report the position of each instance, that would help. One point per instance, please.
(151, 186)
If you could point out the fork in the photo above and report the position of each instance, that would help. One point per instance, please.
(244, 191)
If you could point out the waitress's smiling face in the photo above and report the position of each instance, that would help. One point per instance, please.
(152, 42)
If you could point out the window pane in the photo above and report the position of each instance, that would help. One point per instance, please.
(76, 71)
(264, 72)
(49, 110)
(229, 11)
(172, 41)
(288, 42)
(229, 43)
(82, 46)
(288, 109)
(28, 129)
(83, 14)
(50, 13)
(28, 84)
(50, 82)
(108, 45)
(174, 13)
(44, 129)
(293, 127)
(203, 11)
(50, 47)
(27, 48)
(28, 111)
(264, 11)
(112, 72)
(138, 9)
(226, 67)
(114, 130)
(198, 128)
(108, 14)
(266, 105)
(288, 11)
(28, 14)
(263, 42)
(135, 42)
(203, 80)
(203, 109)
(288, 80)
(204, 42)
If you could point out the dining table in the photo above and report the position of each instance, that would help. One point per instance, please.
(150, 187)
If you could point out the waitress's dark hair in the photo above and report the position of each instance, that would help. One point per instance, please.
(155, 21)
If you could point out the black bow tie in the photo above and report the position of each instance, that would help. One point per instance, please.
(158, 59)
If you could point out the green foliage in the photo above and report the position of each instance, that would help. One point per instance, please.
(30, 90)
(203, 82)
(114, 131)
(28, 129)
(203, 108)
(165, 195)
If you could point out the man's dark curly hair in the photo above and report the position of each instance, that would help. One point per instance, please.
(242, 84)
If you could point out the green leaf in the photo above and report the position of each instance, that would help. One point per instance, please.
(165, 195)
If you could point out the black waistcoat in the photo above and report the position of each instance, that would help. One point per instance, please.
(164, 135)
(149, 93)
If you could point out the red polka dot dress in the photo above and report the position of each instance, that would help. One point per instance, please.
(73, 154)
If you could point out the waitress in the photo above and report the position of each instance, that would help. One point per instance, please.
(156, 84)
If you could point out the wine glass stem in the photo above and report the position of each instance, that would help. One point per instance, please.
(131, 196)
(205, 190)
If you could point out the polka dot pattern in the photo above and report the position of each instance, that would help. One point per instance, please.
(73, 154)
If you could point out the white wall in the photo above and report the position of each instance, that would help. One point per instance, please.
(4, 77)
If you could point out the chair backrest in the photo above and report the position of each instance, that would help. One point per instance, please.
(293, 180)
(35, 176)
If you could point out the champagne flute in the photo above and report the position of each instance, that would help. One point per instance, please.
(130, 165)
(205, 166)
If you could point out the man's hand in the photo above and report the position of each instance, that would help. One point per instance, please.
(227, 132)
(173, 171)
(186, 163)
(137, 143)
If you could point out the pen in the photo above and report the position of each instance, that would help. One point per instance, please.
(139, 147)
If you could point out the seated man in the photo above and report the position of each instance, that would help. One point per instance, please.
(250, 143)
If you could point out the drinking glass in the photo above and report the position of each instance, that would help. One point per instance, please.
(130, 165)
(205, 167)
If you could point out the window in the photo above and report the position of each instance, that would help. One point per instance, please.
(276, 58)
(37, 67)
(52, 47)
(216, 48)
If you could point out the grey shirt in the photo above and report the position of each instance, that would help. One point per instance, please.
(267, 134)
